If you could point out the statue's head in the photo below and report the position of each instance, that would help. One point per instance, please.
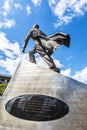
(36, 26)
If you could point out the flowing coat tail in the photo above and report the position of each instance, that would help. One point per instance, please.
(55, 41)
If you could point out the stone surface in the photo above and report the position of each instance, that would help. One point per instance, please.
(33, 79)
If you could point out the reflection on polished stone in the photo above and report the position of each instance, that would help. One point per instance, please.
(34, 83)
(37, 107)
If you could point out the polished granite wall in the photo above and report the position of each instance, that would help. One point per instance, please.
(33, 79)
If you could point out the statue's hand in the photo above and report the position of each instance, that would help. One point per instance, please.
(23, 50)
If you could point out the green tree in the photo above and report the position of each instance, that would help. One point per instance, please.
(2, 87)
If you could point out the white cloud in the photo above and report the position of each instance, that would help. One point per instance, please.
(66, 72)
(52, 2)
(57, 63)
(10, 52)
(18, 6)
(81, 75)
(6, 7)
(67, 10)
(7, 23)
(36, 2)
(9, 64)
(28, 9)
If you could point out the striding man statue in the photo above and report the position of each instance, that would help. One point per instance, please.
(45, 46)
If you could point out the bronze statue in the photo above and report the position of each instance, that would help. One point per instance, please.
(44, 45)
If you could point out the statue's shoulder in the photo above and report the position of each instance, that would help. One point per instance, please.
(29, 32)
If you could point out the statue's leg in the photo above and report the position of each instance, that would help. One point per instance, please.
(49, 52)
(46, 58)
(31, 55)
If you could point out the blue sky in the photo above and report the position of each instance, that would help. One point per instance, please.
(18, 16)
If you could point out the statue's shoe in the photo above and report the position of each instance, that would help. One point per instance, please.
(55, 69)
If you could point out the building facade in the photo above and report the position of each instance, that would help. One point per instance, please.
(4, 78)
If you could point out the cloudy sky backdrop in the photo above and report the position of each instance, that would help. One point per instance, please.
(69, 16)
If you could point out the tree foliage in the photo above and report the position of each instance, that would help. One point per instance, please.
(2, 87)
